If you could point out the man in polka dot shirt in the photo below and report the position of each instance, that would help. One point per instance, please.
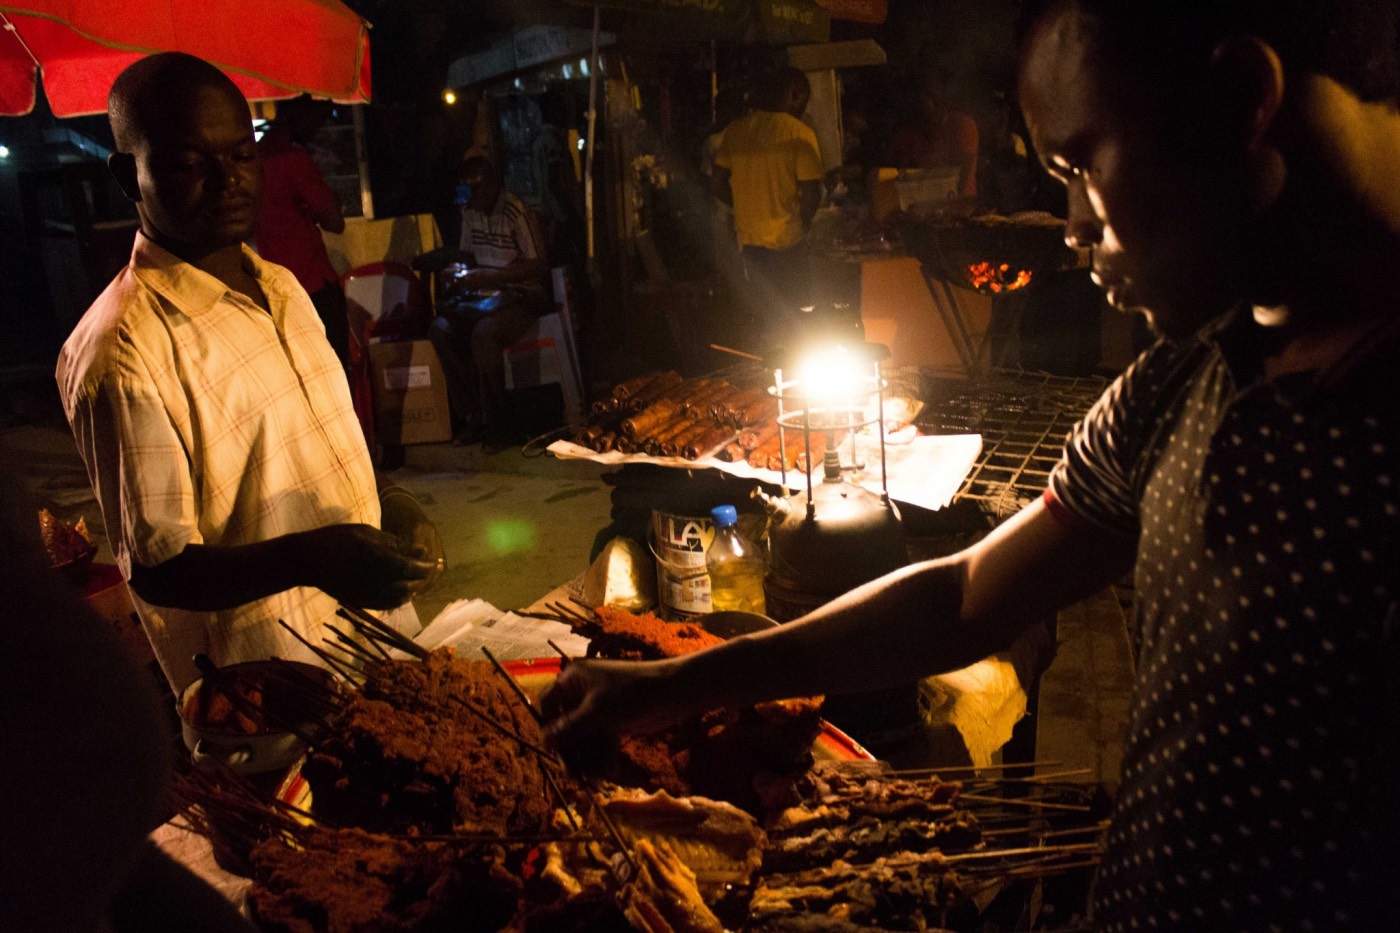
(1235, 169)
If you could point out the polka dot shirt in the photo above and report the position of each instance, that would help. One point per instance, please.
(1260, 784)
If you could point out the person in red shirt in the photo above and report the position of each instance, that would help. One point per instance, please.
(939, 135)
(297, 206)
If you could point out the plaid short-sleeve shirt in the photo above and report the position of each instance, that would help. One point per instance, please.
(204, 419)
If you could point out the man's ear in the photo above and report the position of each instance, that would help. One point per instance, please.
(1252, 76)
(122, 165)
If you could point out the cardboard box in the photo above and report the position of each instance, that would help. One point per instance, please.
(410, 395)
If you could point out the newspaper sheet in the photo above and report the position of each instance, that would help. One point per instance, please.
(925, 471)
(469, 624)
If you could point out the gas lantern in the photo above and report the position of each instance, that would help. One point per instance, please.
(833, 535)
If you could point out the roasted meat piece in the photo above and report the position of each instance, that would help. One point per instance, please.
(405, 755)
(646, 637)
(352, 881)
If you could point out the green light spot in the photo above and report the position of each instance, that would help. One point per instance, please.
(510, 536)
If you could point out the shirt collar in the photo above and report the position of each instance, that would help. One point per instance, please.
(1243, 342)
(192, 289)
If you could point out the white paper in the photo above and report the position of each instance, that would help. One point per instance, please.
(923, 471)
(469, 624)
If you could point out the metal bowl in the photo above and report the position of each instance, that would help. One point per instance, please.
(270, 747)
(731, 623)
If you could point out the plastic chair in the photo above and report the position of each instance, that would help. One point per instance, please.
(384, 301)
(548, 352)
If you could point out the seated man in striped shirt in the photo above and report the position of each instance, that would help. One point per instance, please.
(211, 412)
(492, 301)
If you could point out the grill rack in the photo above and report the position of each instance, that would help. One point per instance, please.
(1023, 417)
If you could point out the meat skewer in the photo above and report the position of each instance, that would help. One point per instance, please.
(679, 442)
(705, 442)
(728, 408)
(703, 398)
(753, 438)
(762, 411)
(630, 387)
(647, 420)
(654, 390)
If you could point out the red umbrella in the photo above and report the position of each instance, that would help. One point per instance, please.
(272, 49)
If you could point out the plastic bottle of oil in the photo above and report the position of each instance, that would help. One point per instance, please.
(735, 564)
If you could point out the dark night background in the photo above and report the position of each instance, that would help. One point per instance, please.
(967, 43)
(415, 140)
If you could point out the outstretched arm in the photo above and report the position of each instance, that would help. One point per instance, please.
(357, 564)
(138, 467)
(921, 620)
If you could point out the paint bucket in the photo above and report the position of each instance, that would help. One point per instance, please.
(679, 544)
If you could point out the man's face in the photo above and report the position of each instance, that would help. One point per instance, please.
(1161, 207)
(199, 174)
(484, 190)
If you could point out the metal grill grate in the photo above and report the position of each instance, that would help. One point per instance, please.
(1023, 418)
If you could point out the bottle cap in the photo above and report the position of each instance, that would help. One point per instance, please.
(725, 515)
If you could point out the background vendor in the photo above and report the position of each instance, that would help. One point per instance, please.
(492, 300)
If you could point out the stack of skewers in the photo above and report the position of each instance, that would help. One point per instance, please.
(732, 417)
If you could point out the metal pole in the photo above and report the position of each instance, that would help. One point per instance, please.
(714, 83)
(592, 124)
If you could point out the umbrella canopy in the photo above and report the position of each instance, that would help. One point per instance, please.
(272, 49)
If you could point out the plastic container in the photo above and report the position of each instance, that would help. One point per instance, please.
(735, 565)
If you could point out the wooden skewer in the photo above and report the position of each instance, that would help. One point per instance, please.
(351, 646)
(563, 801)
(734, 352)
(334, 664)
(508, 733)
(588, 785)
(1048, 834)
(305, 814)
(547, 616)
(373, 644)
(345, 656)
(488, 839)
(571, 613)
(1066, 849)
(1022, 802)
(371, 635)
(395, 637)
(391, 635)
(515, 687)
(1056, 775)
(959, 769)
(1040, 872)
(564, 658)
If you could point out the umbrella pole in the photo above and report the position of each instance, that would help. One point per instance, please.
(10, 28)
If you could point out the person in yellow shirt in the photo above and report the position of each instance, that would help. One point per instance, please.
(769, 168)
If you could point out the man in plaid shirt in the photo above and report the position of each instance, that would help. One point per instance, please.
(213, 416)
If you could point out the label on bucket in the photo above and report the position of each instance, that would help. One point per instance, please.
(683, 598)
(682, 583)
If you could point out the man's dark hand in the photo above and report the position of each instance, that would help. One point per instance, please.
(401, 516)
(363, 566)
(593, 702)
